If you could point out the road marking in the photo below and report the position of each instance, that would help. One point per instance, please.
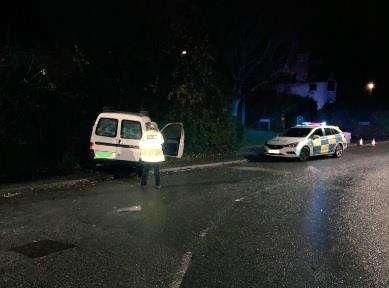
(240, 199)
(187, 257)
(204, 232)
(185, 262)
(10, 195)
(313, 169)
(136, 208)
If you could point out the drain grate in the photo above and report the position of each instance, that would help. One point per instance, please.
(41, 248)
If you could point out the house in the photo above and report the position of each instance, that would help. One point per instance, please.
(323, 92)
(306, 76)
(301, 74)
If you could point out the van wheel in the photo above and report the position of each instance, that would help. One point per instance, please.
(338, 151)
(304, 154)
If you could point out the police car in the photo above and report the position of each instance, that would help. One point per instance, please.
(306, 140)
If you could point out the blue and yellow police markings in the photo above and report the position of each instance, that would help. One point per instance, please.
(325, 145)
(340, 139)
(316, 146)
(332, 143)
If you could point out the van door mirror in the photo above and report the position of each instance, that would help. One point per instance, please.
(174, 139)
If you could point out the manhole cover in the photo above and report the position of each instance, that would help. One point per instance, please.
(41, 248)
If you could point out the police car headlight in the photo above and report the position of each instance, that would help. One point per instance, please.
(292, 145)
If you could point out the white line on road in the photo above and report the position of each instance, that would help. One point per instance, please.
(185, 262)
(186, 258)
(10, 195)
(204, 232)
(136, 208)
(313, 169)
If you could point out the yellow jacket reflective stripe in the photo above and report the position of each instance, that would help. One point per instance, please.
(151, 147)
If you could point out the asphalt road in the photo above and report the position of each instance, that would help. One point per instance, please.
(322, 223)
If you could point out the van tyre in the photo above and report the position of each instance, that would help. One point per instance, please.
(338, 151)
(304, 154)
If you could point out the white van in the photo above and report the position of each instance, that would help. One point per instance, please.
(116, 136)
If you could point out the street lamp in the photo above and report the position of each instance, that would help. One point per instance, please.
(370, 86)
(184, 52)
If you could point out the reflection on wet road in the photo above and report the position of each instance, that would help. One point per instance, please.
(315, 221)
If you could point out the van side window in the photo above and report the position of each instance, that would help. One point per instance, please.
(131, 130)
(107, 127)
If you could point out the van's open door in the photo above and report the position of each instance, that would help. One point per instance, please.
(174, 136)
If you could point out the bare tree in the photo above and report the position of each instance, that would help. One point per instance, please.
(254, 59)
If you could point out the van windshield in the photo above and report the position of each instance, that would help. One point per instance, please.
(297, 132)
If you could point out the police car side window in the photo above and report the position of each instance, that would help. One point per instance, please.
(329, 131)
(318, 132)
(131, 130)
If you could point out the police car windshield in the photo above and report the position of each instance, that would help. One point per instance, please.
(297, 132)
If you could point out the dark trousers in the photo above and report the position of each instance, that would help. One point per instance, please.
(145, 173)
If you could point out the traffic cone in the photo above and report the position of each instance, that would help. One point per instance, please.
(361, 142)
(373, 142)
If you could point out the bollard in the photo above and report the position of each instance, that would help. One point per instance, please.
(373, 143)
(361, 142)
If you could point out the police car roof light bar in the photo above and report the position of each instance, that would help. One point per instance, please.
(314, 123)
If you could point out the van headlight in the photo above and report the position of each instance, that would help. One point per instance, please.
(292, 145)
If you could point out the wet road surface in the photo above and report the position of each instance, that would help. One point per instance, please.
(322, 223)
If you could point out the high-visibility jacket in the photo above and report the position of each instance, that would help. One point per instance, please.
(151, 147)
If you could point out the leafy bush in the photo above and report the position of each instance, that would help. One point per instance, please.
(207, 130)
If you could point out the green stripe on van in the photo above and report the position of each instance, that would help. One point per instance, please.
(103, 155)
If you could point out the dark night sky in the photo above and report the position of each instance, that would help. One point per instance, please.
(347, 35)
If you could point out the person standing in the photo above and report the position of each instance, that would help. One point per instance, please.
(151, 153)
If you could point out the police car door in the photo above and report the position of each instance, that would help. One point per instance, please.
(174, 139)
(331, 138)
(318, 139)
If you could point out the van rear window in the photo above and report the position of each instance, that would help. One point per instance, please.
(131, 130)
(107, 127)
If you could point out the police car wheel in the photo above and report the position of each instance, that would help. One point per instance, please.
(338, 151)
(304, 154)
